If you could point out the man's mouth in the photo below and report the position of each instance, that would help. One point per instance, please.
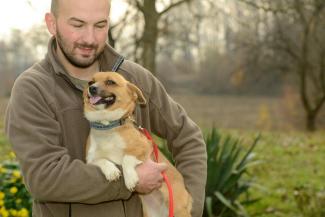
(86, 49)
(98, 100)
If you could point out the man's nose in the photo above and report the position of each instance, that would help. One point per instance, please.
(89, 36)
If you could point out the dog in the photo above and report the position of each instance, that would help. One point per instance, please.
(114, 139)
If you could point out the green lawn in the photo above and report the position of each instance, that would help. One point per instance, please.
(289, 160)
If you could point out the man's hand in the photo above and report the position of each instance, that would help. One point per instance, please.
(150, 177)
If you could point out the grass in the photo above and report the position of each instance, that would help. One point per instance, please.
(4, 144)
(290, 160)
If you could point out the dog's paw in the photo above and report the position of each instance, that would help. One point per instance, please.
(131, 177)
(109, 169)
(111, 173)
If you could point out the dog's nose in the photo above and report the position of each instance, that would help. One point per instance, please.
(93, 90)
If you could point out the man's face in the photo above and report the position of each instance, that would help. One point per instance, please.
(81, 30)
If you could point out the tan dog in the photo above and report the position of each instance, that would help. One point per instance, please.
(109, 102)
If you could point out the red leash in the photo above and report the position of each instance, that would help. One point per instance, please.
(156, 153)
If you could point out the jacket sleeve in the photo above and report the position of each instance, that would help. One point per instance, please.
(184, 138)
(50, 174)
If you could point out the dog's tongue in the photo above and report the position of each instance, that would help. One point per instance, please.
(94, 99)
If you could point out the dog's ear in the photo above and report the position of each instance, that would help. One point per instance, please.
(137, 93)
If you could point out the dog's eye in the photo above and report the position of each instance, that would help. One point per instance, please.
(91, 83)
(110, 82)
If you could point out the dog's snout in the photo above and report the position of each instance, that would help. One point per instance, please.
(93, 90)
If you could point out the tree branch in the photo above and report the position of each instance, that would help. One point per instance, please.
(173, 6)
(137, 4)
(285, 42)
(122, 23)
(266, 9)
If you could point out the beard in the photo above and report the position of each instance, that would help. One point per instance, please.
(84, 61)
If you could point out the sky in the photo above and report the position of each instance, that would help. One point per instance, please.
(18, 14)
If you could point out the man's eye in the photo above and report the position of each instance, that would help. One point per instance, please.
(100, 26)
(77, 25)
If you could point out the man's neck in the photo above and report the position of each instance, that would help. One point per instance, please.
(76, 72)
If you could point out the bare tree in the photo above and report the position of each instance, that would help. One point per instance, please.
(147, 40)
(299, 33)
(116, 29)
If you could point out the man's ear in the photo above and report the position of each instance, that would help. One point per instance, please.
(137, 93)
(50, 23)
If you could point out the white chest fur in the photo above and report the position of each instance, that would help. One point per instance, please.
(106, 145)
(106, 148)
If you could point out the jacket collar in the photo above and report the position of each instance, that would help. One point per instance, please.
(109, 60)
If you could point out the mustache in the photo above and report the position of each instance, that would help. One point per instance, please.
(86, 46)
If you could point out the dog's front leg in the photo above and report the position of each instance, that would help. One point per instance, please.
(109, 169)
(130, 174)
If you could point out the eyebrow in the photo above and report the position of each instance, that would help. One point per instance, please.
(74, 19)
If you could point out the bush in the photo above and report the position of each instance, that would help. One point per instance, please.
(15, 201)
(227, 164)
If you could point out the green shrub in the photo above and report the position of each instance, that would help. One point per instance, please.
(15, 201)
(310, 202)
(227, 164)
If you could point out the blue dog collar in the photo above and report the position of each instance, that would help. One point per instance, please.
(110, 125)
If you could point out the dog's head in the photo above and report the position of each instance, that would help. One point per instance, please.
(109, 96)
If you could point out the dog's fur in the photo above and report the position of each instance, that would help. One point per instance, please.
(115, 98)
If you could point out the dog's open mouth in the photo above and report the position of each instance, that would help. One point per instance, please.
(98, 100)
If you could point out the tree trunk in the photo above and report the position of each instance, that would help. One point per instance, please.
(150, 35)
(311, 121)
(149, 38)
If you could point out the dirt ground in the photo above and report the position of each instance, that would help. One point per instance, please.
(245, 112)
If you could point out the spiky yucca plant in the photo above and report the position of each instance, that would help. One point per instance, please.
(227, 163)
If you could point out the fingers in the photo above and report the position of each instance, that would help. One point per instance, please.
(150, 177)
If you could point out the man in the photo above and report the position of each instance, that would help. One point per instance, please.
(46, 127)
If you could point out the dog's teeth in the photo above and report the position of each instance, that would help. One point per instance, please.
(110, 98)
